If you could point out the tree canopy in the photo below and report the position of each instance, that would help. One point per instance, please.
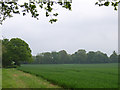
(114, 57)
(14, 51)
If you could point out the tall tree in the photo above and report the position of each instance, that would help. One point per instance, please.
(47, 59)
(15, 50)
(97, 57)
(114, 57)
(39, 59)
(100, 57)
(90, 57)
(6, 58)
(54, 57)
(80, 56)
(63, 57)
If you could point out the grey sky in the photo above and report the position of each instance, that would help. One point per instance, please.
(86, 27)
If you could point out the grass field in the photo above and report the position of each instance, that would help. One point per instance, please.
(13, 78)
(0, 78)
(77, 75)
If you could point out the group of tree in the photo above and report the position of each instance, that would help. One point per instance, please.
(79, 57)
(15, 51)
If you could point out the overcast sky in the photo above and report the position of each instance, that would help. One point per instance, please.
(87, 26)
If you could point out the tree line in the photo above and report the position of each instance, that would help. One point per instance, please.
(16, 52)
(79, 57)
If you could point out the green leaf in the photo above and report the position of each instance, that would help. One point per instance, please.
(96, 3)
(56, 14)
(33, 6)
(40, 6)
(106, 3)
(115, 8)
(24, 14)
(16, 7)
(37, 14)
(17, 12)
(47, 14)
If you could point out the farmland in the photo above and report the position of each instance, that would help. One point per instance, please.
(76, 75)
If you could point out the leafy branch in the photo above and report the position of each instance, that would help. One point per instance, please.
(7, 9)
(113, 3)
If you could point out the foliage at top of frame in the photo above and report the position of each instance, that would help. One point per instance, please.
(10, 7)
(113, 3)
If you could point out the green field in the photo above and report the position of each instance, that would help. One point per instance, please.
(77, 75)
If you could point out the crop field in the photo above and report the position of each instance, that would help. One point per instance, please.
(76, 75)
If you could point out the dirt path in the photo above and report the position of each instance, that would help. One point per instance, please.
(13, 78)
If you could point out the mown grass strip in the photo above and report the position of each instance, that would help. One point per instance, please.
(13, 78)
